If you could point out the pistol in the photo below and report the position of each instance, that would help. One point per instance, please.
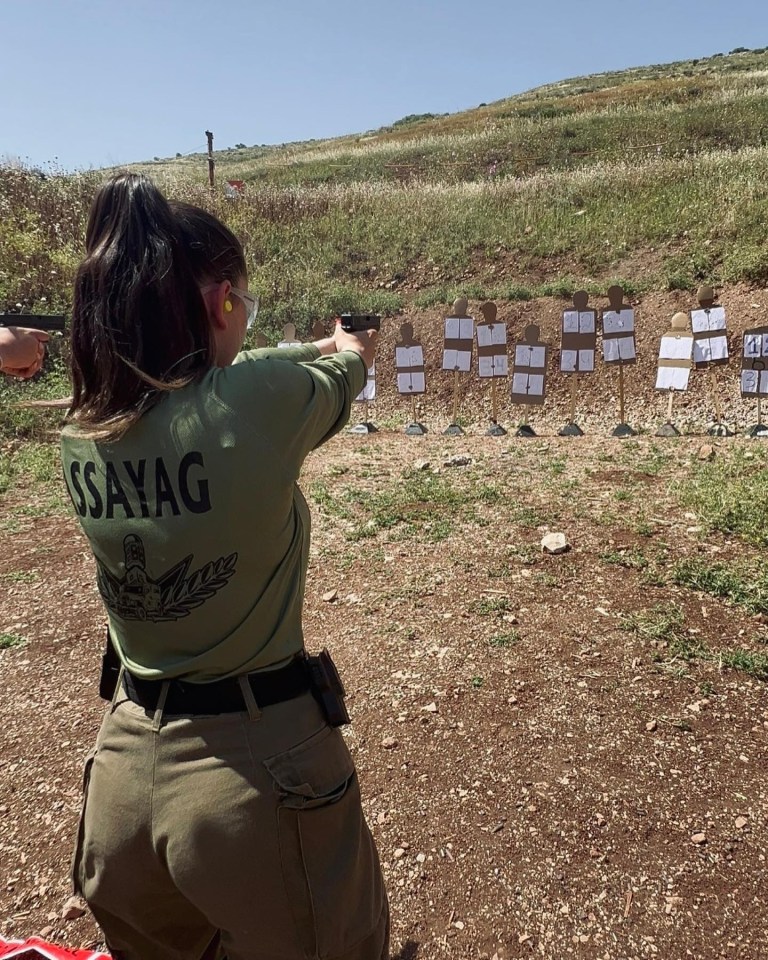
(34, 321)
(359, 322)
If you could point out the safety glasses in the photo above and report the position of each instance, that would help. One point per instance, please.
(251, 305)
(249, 300)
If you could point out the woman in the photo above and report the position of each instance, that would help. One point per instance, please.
(221, 810)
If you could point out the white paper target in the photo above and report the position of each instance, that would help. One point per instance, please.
(491, 334)
(619, 321)
(568, 360)
(459, 328)
(619, 348)
(672, 378)
(369, 390)
(708, 319)
(676, 347)
(526, 356)
(528, 383)
(578, 322)
(755, 345)
(586, 361)
(457, 360)
(411, 383)
(412, 356)
(754, 382)
(709, 349)
(493, 366)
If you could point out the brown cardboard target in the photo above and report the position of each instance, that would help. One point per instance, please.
(618, 330)
(529, 377)
(492, 358)
(409, 363)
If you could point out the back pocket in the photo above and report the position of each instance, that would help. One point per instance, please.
(330, 865)
(78, 851)
(315, 773)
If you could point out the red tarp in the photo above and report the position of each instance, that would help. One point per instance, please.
(34, 948)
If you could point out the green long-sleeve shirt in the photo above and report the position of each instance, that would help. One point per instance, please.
(198, 527)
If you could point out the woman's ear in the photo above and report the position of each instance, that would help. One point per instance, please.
(219, 304)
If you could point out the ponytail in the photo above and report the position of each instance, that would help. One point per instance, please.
(140, 326)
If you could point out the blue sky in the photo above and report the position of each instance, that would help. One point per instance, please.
(100, 82)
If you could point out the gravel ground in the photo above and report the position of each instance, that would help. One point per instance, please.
(541, 780)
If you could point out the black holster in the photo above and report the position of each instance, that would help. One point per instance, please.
(110, 670)
(325, 682)
(327, 688)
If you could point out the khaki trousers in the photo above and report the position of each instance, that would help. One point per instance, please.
(241, 831)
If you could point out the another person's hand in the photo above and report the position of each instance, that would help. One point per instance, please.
(362, 343)
(21, 351)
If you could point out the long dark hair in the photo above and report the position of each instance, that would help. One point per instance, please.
(140, 326)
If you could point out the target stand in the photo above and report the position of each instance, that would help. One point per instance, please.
(453, 430)
(674, 367)
(415, 429)
(365, 427)
(578, 348)
(719, 430)
(529, 377)
(667, 430)
(619, 347)
(411, 375)
(459, 335)
(492, 360)
(710, 350)
(754, 374)
(623, 430)
(570, 430)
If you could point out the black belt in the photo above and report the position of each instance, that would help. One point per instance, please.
(221, 696)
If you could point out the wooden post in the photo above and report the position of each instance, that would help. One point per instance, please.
(455, 395)
(574, 377)
(494, 404)
(759, 408)
(211, 162)
(670, 399)
(621, 393)
(413, 408)
(715, 397)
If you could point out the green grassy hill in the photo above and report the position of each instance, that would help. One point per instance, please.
(654, 177)
(718, 102)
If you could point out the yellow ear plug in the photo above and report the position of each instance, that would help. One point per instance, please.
(227, 306)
